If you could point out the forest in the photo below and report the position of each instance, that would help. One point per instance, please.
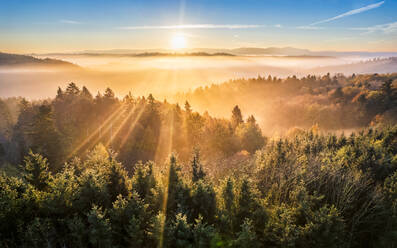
(79, 170)
(334, 102)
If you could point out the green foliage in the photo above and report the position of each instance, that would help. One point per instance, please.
(237, 117)
(250, 135)
(135, 129)
(129, 220)
(45, 137)
(145, 185)
(246, 237)
(308, 189)
(177, 195)
(203, 202)
(338, 102)
(99, 228)
(36, 170)
(203, 234)
(197, 168)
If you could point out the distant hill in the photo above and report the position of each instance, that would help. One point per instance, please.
(386, 65)
(144, 54)
(286, 51)
(242, 51)
(7, 59)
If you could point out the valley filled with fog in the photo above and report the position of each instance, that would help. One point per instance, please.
(166, 75)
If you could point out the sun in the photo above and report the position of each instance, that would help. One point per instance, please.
(178, 41)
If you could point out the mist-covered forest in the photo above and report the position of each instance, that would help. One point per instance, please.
(334, 102)
(95, 170)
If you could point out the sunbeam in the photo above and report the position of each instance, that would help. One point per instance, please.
(116, 113)
(169, 149)
(132, 126)
(122, 124)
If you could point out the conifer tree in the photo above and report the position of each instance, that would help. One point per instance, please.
(144, 184)
(86, 93)
(197, 168)
(36, 170)
(99, 228)
(177, 193)
(245, 202)
(108, 93)
(72, 89)
(246, 237)
(237, 117)
(45, 137)
(188, 109)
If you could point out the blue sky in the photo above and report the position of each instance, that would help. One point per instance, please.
(56, 26)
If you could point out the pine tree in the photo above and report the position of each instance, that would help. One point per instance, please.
(228, 208)
(151, 99)
(99, 228)
(86, 93)
(178, 193)
(180, 234)
(245, 202)
(228, 196)
(203, 234)
(72, 89)
(108, 93)
(77, 232)
(60, 94)
(203, 192)
(36, 170)
(237, 117)
(45, 137)
(129, 219)
(250, 135)
(188, 109)
(116, 178)
(144, 184)
(197, 169)
(246, 237)
(5, 120)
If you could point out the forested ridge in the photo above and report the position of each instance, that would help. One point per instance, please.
(137, 128)
(333, 102)
(98, 171)
(8, 59)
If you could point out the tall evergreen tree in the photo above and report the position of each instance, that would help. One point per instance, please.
(188, 109)
(36, 170)
(197, 169)
(237, 117)
(46, 139)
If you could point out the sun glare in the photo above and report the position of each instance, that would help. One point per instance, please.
(178, 42)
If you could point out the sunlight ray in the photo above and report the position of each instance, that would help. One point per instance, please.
(164, 206)
(122, 124)
(132, 127)
(107, 128)
(169, 150)
(92, 135)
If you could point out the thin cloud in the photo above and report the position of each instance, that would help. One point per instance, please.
(69, 21)
(386, 28)
(351, 12)
(193, 26)
(309, 27)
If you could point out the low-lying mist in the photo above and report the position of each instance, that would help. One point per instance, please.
(195, 78)
(160, 75)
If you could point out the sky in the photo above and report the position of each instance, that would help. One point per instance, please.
(43, 26)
